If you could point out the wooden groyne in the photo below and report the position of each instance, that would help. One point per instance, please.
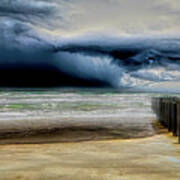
(168, 113)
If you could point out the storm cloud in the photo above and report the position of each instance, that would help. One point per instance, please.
(76, 17)
(93, 33)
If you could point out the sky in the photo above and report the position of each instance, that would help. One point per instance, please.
(68, 18)
(34, 32)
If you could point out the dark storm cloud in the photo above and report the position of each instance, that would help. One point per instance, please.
(75, 17)
(26, 7)
(30, 31)
(19, 20)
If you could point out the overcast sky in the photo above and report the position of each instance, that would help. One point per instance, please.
(76, 17)
(124, 16)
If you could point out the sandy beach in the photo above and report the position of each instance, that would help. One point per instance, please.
(89, 136)
(156, 158)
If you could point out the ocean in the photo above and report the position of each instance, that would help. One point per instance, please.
(95, 61)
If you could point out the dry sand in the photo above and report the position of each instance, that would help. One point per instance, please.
(152, 158)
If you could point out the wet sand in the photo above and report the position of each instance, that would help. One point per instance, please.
(80, 130)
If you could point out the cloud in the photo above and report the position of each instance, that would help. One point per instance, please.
(119, 16)
(67, 18)
(20, 19)
(26, 7)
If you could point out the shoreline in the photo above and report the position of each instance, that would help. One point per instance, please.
(79, 133)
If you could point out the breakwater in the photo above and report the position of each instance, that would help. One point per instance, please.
(167, 110)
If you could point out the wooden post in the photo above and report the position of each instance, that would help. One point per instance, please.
(166, 113)
(169, 116)
(178, 119)
(161, 110)
(174, 120)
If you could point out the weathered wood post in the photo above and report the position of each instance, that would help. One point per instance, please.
(163, 113)
(168, 113)
(174, 119)
(161, 110)
(170, 117)
(178, 119)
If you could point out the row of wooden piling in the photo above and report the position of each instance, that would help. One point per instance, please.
(168, 113)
